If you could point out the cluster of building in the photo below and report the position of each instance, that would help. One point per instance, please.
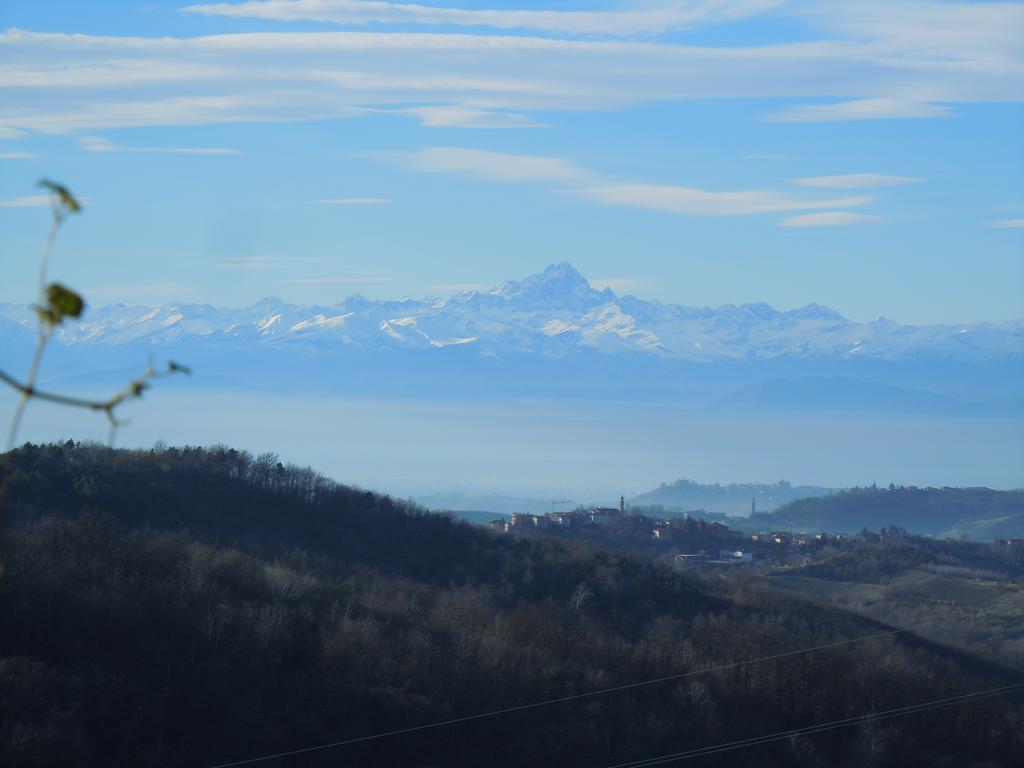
(715, 543)
(572, 518)
(803, 540)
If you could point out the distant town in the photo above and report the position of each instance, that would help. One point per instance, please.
(686, 539)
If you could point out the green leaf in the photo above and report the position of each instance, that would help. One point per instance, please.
(62, 302)
(66, 198)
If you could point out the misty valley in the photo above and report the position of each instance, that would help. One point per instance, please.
(511, 383)
(205, 606)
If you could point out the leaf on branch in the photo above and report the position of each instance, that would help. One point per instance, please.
(66, 198)
(173, 367)
(61, 302)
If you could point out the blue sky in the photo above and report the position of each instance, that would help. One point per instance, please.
(862, 155)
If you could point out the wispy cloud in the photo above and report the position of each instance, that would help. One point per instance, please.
(452, 288)
(343, 280)
(17, 156)
(463, 117)
(495, 166)
(881, 63)
(827, 219)
(141, 292)
(355, 201)
(856, 181)
(689, 200)
(656, 17)
(29, 201)
(861, 109)
(259, 263)
(244, 266)
(99, 144)
(1006, 224)
(569, 176)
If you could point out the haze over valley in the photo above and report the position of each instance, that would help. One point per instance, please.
(602, 383)
(548, 387)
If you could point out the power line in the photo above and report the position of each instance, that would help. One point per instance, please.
(820, 728)
(560, 700)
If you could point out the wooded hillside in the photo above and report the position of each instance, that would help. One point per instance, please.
(196, 607)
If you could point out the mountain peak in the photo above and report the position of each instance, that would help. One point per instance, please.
(269, 303)
(558, 285)
(564, 270)
(815, 312)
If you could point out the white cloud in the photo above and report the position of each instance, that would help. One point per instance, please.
(452, 288)
(495, 166)
(141, 292)
(689, 200)
(653, 18)
(827, 219)
(861, 109)
(343, 280)
(84, 83)
(503, 167)
(856, 181)
(244, 266)
(30, 201)
(462, 117)
(1007, 224)
(17, 156)
(99, 144)
(944, 31)
(259, 263)
(356, 201)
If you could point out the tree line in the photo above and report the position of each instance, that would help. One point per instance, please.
(196, 606)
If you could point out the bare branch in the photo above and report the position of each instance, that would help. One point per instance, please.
(56, 304)
(133, 391)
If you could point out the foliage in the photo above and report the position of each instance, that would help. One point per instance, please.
(191, 607)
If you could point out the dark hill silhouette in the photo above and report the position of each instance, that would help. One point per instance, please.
(196, 607)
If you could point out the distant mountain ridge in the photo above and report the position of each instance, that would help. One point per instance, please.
(551, 313)
(549, 334)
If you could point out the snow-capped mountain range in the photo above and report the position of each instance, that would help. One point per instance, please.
(554, 314)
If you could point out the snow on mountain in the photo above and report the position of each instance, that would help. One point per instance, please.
(552, 314)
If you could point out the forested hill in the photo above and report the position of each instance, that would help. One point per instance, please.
(731, 499)
(980, 513)
(198, 607)
(229, 498)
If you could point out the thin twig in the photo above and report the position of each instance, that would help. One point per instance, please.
(45, 325)
(57, 303)
(132, 391)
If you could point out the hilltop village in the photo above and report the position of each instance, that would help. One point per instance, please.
(688, 541)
